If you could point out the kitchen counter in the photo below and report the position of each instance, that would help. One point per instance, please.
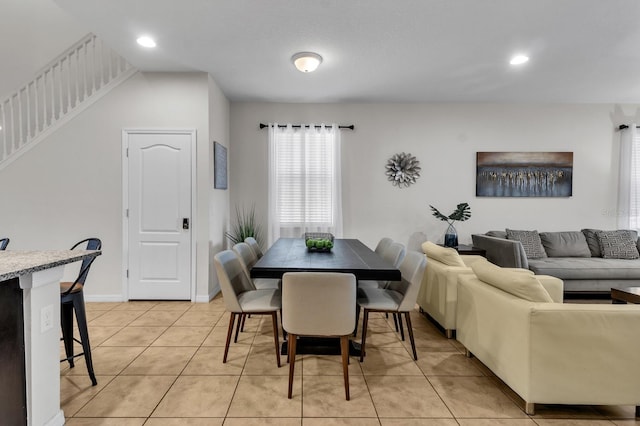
(16, 263)
(30, 334)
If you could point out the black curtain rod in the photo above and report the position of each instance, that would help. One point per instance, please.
(625, 126)
(297, 126)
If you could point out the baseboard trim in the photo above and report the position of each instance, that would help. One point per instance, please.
(210, 296)
(104, 298)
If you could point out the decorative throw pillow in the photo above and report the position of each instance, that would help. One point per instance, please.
(618, 244)
(496, 234)
(530, 241)
(520, 284)
(592, 241)
(446, 255)
(565, 244)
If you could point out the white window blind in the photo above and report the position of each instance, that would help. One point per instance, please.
(304, 181)
(629, 179)
(634, 190)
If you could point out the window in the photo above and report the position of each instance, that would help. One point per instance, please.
(629, 183)
(304, 181)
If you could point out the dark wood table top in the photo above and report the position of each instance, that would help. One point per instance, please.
(347, 255)
(625, 294)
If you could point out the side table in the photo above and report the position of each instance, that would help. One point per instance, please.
(467, 249)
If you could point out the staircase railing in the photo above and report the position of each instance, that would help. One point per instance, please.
(75, 79)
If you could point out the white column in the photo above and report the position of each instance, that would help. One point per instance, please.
(41, 297)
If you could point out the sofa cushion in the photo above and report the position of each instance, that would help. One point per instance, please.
(446, 255)
(617, 244)
(592, 241)
(523, 285)
(497, 234)
(530, 241)
(565, 244)
(587, 268)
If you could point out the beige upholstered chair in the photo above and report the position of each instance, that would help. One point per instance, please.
(241, 297)
(398, 298)
(319, 304)
(393, 253)
(383, 244)
(249, 258)
(415, 241)
(254, 246)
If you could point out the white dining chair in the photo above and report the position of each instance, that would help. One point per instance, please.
(393, 253)
(253, 243)
(398, 298)
(319, 304)
(249, 258)
(415, 241)
(383, 244)
(241, 297)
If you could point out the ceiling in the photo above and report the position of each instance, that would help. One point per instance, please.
(582, 51)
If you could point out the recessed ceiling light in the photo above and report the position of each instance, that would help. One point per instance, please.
(519, 60)
(146, 41)
(306, 61)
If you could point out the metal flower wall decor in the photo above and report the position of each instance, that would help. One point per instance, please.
(403, 169)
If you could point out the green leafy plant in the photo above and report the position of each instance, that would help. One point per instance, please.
(245, 226)
(460, 214)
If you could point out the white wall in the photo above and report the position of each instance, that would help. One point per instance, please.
(445, 139)
(218, 208)
(70, 186)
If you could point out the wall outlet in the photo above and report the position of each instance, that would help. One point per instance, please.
(46, 318)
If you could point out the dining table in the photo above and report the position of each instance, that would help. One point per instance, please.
(347, 256)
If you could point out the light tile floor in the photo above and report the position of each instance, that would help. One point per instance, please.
(160, 364)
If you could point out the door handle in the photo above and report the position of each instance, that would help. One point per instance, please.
(185, 223)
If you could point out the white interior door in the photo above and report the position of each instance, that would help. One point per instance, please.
(159, 215)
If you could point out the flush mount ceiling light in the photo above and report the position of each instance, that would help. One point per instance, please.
(146, 41)
(306, 61)
(519, 60)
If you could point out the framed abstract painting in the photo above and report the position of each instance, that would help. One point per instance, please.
(524, 174)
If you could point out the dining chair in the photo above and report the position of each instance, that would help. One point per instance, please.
(253, 243)
(248, 259)
(319, 304)
(383, 244)
(399, 297)
(72, 302)
(415, 241)
(4, 242)
(241, 297)
(393, 253)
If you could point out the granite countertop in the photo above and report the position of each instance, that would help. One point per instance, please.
(14, 263)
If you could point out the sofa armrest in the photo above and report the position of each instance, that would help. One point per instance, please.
(554, 286)
(470, 259)
(502, 252)
(585, 354)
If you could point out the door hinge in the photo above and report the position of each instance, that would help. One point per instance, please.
(127, 273)
(127, 152)
(126, 212)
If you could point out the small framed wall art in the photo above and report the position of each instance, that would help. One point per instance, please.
(524, 174)
(219, 166)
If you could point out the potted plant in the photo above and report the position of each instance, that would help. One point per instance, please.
(245, 226)
(460, 214)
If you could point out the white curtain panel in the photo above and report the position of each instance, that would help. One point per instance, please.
(628, 216)
(305, 182)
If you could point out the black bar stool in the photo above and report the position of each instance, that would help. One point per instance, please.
(72, 300)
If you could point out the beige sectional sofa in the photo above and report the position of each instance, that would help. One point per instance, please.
(547, 352)
(438, 296)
